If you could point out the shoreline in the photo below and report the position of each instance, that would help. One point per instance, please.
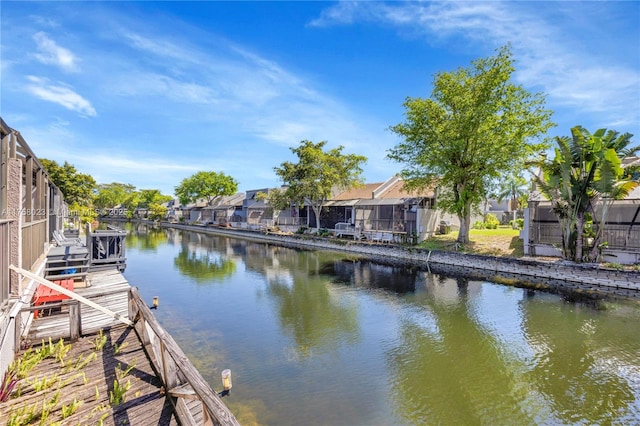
(559, 276)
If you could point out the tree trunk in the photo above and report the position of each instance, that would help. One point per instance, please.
(579, 256)
(465, 222)
(317, 212)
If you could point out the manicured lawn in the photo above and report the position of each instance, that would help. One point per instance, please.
(503, 241)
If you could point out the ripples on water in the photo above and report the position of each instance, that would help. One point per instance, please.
(324, 338)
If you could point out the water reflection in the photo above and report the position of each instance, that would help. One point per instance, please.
(326, 338)
(365, 274)
(577, 359)
(203, 267)
(317, 320)
(454, 372)
(309, 311)
(145, 238)
(204, 258)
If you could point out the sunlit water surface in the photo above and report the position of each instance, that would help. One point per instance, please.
(319, 338)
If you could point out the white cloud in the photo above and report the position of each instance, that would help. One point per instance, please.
(120, 163)
(548, 55)
(145, 83)
(238, 88)
(59, 94)
(44, 21)
(51, 54)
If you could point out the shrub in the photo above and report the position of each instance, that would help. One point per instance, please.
(517, 224)
(478, 225)
(491, 221)
(323, 232)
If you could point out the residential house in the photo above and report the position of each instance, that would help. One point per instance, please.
(225, 210)
(257, 212)
(174, 212)
(385, 209)
(542, 234)
(192, 212)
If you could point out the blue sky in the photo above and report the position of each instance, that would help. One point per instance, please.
(148, 93)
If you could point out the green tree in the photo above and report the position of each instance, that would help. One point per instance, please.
(77, 188)
(157, 211)
(276, 199)
(149, 197)
(203, 267)
(109, 195)
(84, 213)
(582, 181)
(318, 172)
(131, 203)
(209, 185)
(514, 188)
(476, 126)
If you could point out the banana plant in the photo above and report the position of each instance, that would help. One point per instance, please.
(582, 181)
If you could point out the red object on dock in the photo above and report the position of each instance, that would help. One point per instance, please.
(45, 294)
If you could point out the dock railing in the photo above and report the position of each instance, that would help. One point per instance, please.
(190, 394)
(106, 248)
(182, 381)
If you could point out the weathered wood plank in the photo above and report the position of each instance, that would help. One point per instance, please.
(144, 402)
(110, 290)
(74, 321)
(218, 411)
(66, 292)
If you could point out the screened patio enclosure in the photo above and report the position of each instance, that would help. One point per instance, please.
(621, 230)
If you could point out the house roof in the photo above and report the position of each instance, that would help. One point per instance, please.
(228, 201)
(391, 190)
(365, 191)
(342, 203)
(536, 195)
(396, 190)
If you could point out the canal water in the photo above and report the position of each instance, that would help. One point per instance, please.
(321, 338)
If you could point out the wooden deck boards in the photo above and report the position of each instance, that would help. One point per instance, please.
(108, 288)
(145, 403)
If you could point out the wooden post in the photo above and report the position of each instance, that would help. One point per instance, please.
(29, 191)
(4, 172)
(74, 320)
(175, 361)
(12, 145)
(18, 331)
(89, 242)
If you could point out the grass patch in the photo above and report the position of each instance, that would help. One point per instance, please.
(503, 241)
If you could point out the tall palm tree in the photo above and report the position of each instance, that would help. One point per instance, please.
(515, 189)
(585, 173)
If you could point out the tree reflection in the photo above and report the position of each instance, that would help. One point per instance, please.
(367, 274)
(146, 238)
(315, 316)
(204, 267)
(578, 357)
(448, 370)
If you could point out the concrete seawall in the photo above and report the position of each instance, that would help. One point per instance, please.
(562, 276)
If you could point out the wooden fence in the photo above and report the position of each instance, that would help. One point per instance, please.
(27, 196)
(181, 379)
(5, 261)
(34, 237)
(622, 237)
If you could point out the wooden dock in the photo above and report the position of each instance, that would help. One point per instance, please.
(107, 288)
(91, 386)
(102, 358)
